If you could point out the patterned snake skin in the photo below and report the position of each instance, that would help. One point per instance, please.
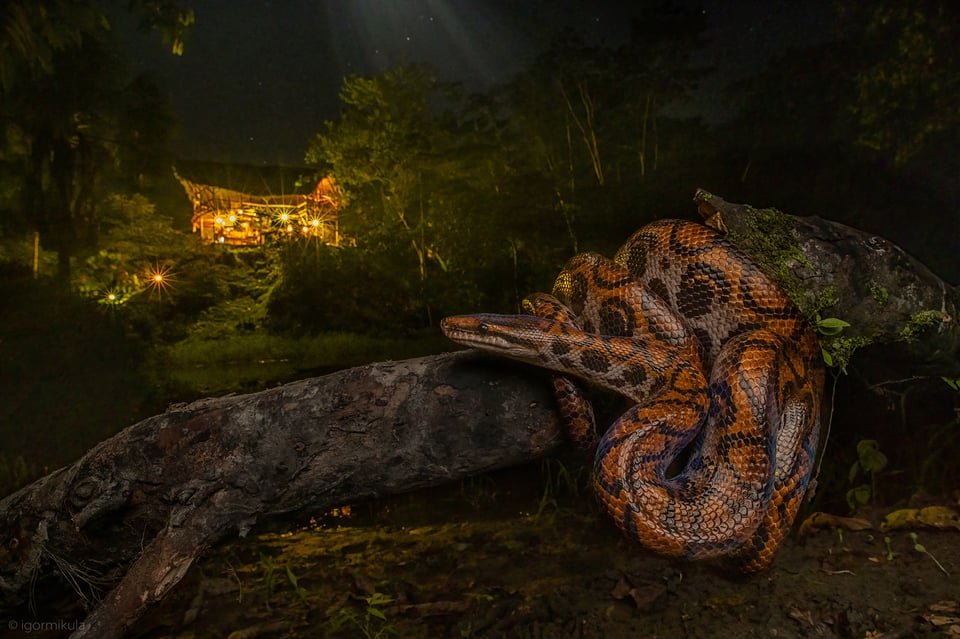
(725, 373)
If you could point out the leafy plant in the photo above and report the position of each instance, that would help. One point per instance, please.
(295, 583)
(833, 356)
(373, 623)
(558, 480)
(269, 567)
(870, 461)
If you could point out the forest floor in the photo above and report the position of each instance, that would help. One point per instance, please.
(464, 561)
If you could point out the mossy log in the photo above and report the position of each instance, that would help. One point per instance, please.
(116, 530)
(899, 313)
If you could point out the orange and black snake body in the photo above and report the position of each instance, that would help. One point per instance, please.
(724, 371)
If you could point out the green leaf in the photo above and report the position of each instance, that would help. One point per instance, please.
(859, 496)
(831, 325)
(378, 599)
(827, 357)
(854, 469)
(870, 457)
(952, 382)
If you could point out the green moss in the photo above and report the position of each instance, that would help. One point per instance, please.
(770, 238)
(829, 296)
(879, 293)
(918, 323)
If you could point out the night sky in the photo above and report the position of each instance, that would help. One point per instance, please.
(259, 77)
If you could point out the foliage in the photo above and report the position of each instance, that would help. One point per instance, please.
(837, 349)
(34, 32)
(422, 183)
(919, 322)
(906, 93)
(870, 461)
(372, 624)
(78, 119)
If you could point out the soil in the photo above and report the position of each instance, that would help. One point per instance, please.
(513, 556)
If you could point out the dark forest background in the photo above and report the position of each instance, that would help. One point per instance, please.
(455, 202)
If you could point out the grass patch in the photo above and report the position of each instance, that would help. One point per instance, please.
(248, 362)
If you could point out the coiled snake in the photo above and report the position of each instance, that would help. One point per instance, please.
(725, 373)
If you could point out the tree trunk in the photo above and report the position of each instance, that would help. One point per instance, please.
(133, 513)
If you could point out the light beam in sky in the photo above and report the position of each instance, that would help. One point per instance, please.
(470, 42)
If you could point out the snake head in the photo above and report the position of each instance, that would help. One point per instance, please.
(516, 336)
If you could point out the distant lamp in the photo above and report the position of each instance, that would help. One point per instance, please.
(160, 278)
(219, 221)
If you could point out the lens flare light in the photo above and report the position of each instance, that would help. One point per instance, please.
(160, 278)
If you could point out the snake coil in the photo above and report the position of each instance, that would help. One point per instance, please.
(724, 371)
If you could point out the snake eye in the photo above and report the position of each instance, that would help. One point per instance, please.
(483, 328)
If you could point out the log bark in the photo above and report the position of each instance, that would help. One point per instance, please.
(133, 513)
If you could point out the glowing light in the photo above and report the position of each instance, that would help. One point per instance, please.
(284, 217)
(160, 278)
(233, 218)
(315, 222)
(219, 221)
(113, 297)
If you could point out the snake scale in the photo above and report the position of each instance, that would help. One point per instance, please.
(713, 458)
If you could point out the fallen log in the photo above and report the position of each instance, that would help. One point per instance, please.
(130, 517)
(133, 513)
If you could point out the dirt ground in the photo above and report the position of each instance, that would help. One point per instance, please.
(466, 562)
